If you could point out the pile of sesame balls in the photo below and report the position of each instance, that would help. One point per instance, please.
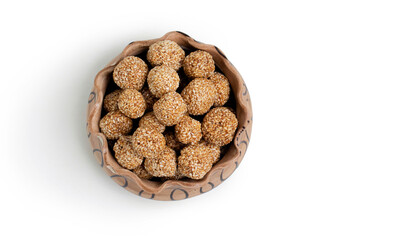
(178, 109)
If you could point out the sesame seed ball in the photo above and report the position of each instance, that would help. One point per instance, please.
(162, 79)
(170, 108)
(222, 87)
(164, 165)
(199, 64)
(148, 142)
(132, 103)
(149, 98)
(199, 95)
(219, 126)
(188, 130)
(111, 101)
(125, 154)
(115, 124)
(231, 110)
(142, 173)
(167, 53)
(172, 141)
(213, 149)
(195, 161)
(150, 121)
(130, 73)
(177, 176)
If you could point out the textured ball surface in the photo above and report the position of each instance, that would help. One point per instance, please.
(195, 161)
(125, 154)
(132, 103)
(148, 142)
(170, 108)
(172, 141)
(115, 124)
(151, 122)
(164, 165)
(219, 126)
(142, 173)
(188, 130)
(177, 176)
(131, 72)
(222, 86)
(214, 150)
(199, 95)
(111, 101)
(162, 80)
(167, 53)
(199, 64)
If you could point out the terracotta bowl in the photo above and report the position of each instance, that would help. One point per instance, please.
(171, 189)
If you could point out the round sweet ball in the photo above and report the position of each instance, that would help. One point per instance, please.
(148, 142)
(115, 124)
(131, 72)
(188, 130)
(111, 101)
(222, 87)
(172, 141)
(132, 103)
(150, 121)
(167, 53)
(214, 150)
(219, 126)
(170, 108)
(162, 79)
(164, 165)
(199, 95)
(142, 173)
(150, 99)
(125, 154)
(177, 176)
(199, 64)
(195, 161)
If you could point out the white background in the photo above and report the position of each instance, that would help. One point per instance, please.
(331, 154)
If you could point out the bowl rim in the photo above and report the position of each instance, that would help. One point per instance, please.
(230, 160)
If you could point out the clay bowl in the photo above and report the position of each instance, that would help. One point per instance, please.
(171, 189)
